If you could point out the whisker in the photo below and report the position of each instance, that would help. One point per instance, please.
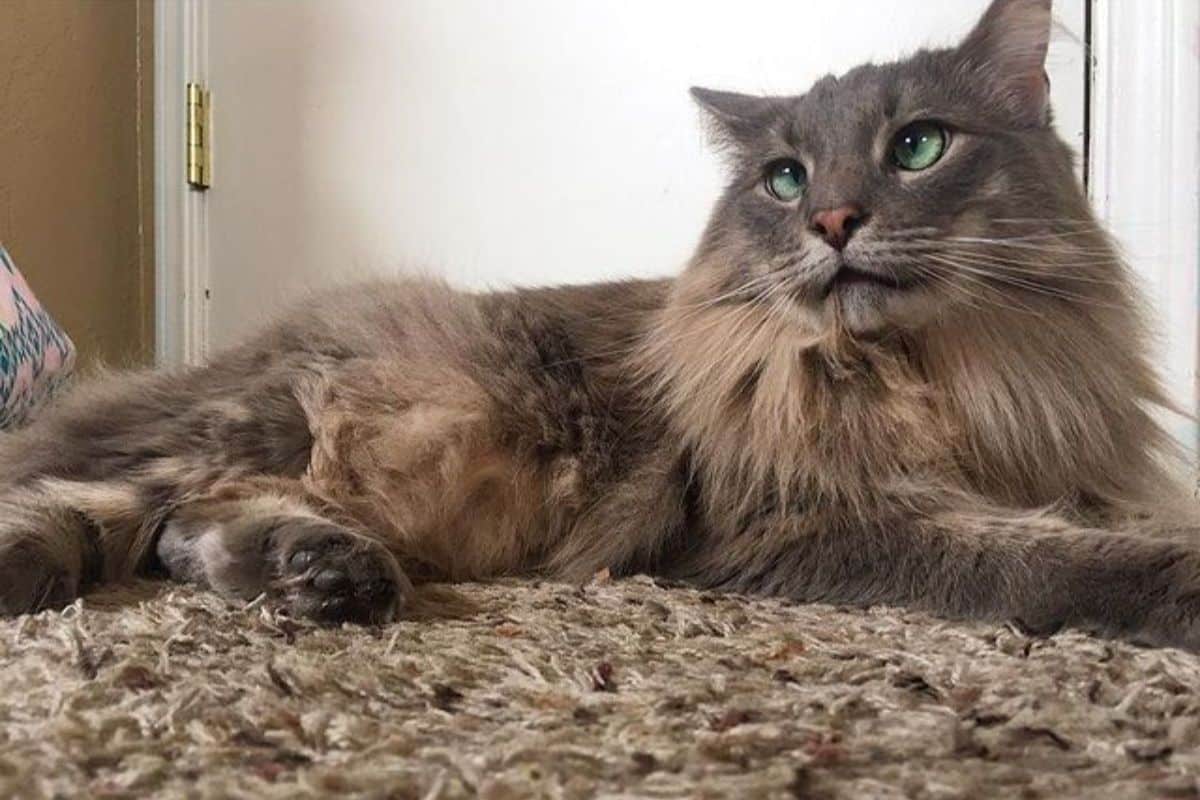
(1025, 284)
(1102, 253)
(989, 294)
(1023, 269)
(1056, 247)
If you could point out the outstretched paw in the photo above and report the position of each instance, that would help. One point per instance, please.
(330, 574)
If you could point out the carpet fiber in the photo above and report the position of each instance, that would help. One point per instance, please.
(616, 689)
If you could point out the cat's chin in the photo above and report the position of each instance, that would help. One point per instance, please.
(867, 308)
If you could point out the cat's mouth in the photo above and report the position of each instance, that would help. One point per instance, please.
(847, 276)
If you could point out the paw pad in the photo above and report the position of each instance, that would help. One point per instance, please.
(334, 576)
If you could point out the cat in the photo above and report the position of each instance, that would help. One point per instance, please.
(904, 366)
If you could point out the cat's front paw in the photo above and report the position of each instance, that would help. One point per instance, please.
(332, 575)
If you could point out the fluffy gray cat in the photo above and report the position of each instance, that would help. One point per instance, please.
(905, 365)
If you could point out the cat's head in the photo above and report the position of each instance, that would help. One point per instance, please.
(883, 197)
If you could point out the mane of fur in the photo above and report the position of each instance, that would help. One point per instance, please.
(1030, 403)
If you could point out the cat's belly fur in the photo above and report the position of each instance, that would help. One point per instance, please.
(433, 477)
(485, 435)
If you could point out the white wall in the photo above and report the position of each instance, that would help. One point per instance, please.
(522, 141)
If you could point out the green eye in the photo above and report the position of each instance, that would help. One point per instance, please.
(919, 145)
(786, 179)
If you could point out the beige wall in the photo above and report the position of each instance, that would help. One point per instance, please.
(76, 166)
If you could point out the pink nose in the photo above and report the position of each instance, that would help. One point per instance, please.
(836, 225)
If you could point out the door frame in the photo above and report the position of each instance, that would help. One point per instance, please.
(1145, 81)
(180, 212)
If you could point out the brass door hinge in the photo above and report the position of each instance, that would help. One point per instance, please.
(199, 136)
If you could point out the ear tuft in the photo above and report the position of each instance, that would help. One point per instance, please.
(1007, 49)
(734, 118)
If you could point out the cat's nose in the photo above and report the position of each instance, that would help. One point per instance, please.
(837, 225)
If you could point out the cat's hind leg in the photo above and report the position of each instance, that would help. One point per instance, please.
(87, 486)
(54, 537)
(242, 538)
(266, 537)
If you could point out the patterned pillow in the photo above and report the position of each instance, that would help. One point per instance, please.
(35, 355)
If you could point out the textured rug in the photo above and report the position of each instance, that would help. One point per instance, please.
(615, 689)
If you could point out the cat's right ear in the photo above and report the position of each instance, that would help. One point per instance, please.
(1007, 51)
(732, 118)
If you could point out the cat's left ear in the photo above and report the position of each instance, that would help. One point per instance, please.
(1007, 50)
(733, 118)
